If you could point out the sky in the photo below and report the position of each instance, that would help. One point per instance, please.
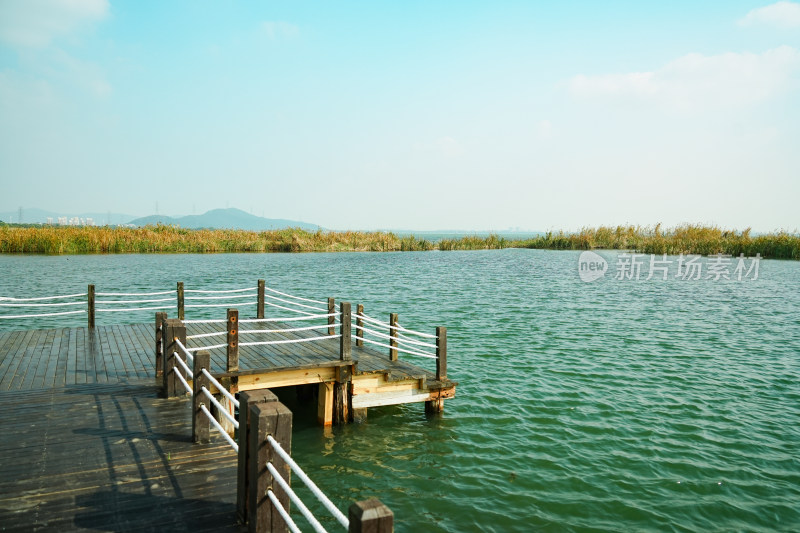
(419, 115)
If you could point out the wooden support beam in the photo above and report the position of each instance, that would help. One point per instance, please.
(343, 395)
(160, 318)
(359, 325)
(181, 306)
(90, 302)
(246, 399)
(232, 364)
(325, 404)
(370, 516)
(261, 295)
(272, 418)
(200, 423)
(331, 318)
(345, 347)
(393, 335)
(441, 353)
(175, 329)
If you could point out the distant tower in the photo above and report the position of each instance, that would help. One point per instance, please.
(19, 217)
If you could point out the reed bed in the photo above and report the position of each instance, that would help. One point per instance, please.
(685, 239)
(171, 239)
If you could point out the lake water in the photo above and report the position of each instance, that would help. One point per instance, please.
(614, 405)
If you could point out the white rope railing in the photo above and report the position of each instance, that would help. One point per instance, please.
(182, 364)
(43, 314)
(220, 292)
(396, 327)
(220, 388)
(220, 408)
(214, 347)
(218, 297)
(310, 484)
(373, 332)
(296, 297)
(41, 298)
(323, 309)
(156, 308)
(160, 293)
(134, 301)
(412, 332)
(288, 308)
(228, 304)
(213, 321)
(206, 335)
(182, 380)
(281, 511)
(287, 330)
(289, 319)
(219, 427)
(60, 304)
(417, 343)
(399, 349)
(296, 499)
(289, 341)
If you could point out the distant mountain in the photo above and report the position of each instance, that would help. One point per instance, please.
(40, 216)
(225, 219)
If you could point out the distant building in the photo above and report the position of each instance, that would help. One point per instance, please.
(49, 221)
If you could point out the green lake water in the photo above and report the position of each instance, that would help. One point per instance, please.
(618, 405)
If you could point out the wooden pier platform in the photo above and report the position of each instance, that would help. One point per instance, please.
(36, 359)
(87, 443)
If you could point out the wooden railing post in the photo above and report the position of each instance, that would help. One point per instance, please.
(393, 335)
(90, 310)
(175, 329)
(200, 422)
(331, 318)
(271, 418)
(233, 341)
(345, 347)
(370, 516)
(246, 399)
(261, 295)
(441, 353)
(181, 305)
(359, 325)
(161, 316)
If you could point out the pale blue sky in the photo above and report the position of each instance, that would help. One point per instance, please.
(412, 114)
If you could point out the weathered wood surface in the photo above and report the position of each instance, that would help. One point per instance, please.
(37, 359)
(110, 457)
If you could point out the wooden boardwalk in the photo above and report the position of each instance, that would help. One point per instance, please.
(86, 443)
(110, 457)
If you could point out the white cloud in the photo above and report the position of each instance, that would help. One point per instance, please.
(449, 147)
(544, 129)
(279, 29)
(695, 80)
(36, 23)
(781, 14)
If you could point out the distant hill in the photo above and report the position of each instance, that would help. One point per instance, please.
(225, 219)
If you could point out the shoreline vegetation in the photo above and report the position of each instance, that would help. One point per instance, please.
(686, 239)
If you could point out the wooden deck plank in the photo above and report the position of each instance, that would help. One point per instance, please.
(15, 353)
(10, 339)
